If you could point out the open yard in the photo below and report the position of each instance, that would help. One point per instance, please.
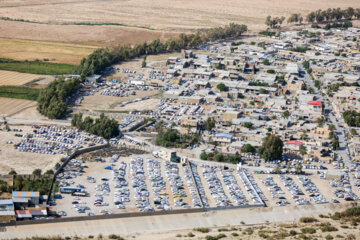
(10, 78)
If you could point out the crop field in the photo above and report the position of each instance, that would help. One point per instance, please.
(19, 92)
(57, 52)
(36, 67)
(9, 78)
(11, 106)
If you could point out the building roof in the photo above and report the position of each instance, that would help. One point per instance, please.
(294, 142)
(223, 135)
(314, 103)
(6, 202)
(25, 194)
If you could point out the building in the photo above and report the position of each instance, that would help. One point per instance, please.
(293, 145)
(168, 155)
(25, 199)
(223, 138)
(230, 115)
(7, 212)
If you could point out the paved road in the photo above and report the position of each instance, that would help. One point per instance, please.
(37, 122)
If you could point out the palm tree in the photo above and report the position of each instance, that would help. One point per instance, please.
(303, 150)
(298, 168)
(303, 135)
(332, 127)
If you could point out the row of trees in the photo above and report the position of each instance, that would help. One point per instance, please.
(103, 126)
(104, 57)
(41, 185)
(52, 101)
(219, 157)
(172, 138)
(318, 16)
(333, 14)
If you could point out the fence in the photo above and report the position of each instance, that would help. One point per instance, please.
(72, 156)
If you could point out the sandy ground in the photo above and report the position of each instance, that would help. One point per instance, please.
(15, 78)
(23, 163)
(167, 226)
(12, 106)
(104, 102)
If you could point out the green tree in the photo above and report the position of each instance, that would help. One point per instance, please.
(143, 64)
(266, 62)
(286, 114)
(277, 169)
(37, 172)
(303, 150)
(209, 123)
(331, 127)
(248, 125)
(320, 122)
(248, 148)
(298, 167)
(271, 148)
(12, 172)
(203, 156)
(222, 87)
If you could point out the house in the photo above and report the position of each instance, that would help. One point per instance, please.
(93, 78)
(7, 212)
(293, 145)
(168, 155)
(223, 138)
(230, 115)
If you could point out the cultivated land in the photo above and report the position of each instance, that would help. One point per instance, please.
(57, 19)
(20, 49)
(16, 79)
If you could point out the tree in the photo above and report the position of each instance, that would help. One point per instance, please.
(12, 172)
(50, 171)
(248, 124)
(320, 122)
(203, 156)
(303, 135)
(286, 114)
(298, 168)
(209, 123)
(271, 148)
(37, 172)
(277, 169)
(143, 64)
(353, 132)
(303, 150)
(335, 143)
(247, 148)
(222, 87)
(266, 62)
(159, 126)
(331, 127)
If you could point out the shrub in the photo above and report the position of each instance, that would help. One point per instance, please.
(178, 235)
(308, 230)
(202, 230)
(329, 237)
(190, 234)
(235, 234)
(329, 229)
(308, 219)
(293, 232)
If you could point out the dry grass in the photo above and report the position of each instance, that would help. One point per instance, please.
(11, 106)
(54, 51)
(14, 78)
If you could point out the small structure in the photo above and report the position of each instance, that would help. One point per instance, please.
(25, 199)
(223, 137)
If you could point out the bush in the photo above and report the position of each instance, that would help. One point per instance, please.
(329, 237)
(293, 232)
(202, 230)
(271, 71)
(308, 230)
(190, 234)
(234, 234)
(178, 235)
(308, 219)
(328, 229)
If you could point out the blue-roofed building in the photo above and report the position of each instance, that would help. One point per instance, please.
(223, 138)
(25, 199)
(7, 212)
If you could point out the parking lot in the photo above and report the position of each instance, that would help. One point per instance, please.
(145, 183)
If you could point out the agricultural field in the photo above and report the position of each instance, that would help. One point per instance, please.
(19, 92)
(58, 52)
(11, 106)
(10, 78)
(36, 67)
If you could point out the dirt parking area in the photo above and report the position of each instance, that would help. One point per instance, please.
(22, 162)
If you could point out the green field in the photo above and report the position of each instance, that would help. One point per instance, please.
(19, 92)
(36, 67)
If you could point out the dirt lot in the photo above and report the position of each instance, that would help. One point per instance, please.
(20, 49)
(22, 162)
(14, 78)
